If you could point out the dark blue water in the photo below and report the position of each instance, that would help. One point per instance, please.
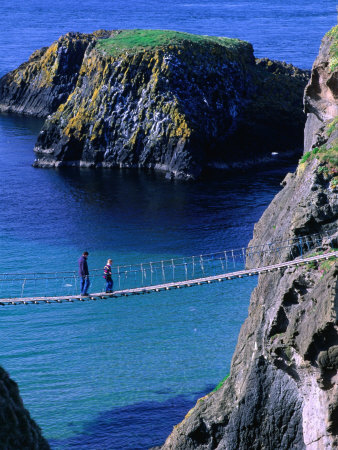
(289, 30)
(119, 374)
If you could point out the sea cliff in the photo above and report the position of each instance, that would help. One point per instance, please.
(282, 392)
(164, 100)
(18, 430)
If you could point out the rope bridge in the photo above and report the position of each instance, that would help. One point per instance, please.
(135, 279)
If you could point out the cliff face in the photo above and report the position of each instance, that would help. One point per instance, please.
(40, 85)
(17, 429)
(156, 99)
(282, 392)
(321, 94)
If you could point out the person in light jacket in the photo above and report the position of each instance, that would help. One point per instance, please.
(108, 276)
(84, 274)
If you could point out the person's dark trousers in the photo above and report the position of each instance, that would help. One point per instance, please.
(85, 283)
(109, 285)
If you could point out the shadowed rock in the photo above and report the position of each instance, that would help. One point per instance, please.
(18, 431)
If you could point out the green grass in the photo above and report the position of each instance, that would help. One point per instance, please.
(325, 266)
(139, 40)
(329, 159)
(306, 156)
(331, 127)
(220, 384)
(312, 265)
(326, 155)
(333, 35)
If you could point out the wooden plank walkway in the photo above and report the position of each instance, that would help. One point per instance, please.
(168, 286)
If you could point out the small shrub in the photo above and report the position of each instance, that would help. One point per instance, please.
(305, 157)
(323, 169)
(334, 183)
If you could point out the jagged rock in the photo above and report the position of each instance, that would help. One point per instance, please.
(282, 392)
(40, 85)
(45, 81)
(321, 93)
(18, 431)
(157, 99)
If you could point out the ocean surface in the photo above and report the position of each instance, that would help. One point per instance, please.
(119, 374)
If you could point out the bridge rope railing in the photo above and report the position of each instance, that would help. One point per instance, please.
(131, 276)
(317, 258)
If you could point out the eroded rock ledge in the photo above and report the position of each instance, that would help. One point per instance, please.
(174, 102)
(282, 392)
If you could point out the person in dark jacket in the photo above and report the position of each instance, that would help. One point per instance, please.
(84, 274)
(108, 276)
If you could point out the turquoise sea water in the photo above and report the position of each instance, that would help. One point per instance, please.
(119, 374)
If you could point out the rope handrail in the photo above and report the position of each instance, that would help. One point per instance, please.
(171, 285)
(267, 247)
(133, 276)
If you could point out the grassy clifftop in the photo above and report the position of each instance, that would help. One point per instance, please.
(134, 41)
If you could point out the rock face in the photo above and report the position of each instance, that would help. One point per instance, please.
(156, 99)
(40, 85)
(282, 392)
(321, 94)
(17, 429)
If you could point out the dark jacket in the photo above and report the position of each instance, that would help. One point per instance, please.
(83, 266)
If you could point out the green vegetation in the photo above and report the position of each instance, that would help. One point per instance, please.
(331, 126)
(275, 336)
(288, 352)
(305, 157)
(312, 265)
(334, 183)
(309, 155)
(323, 169)
(139, 40)
(333, 34)
(325, 266)
(328, 156)
(220, 384)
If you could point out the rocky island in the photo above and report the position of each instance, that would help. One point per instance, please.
(175, 102)
(282, 392)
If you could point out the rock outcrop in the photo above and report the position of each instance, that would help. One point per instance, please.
(18, 431)
(321, 94)
(40, 85)
(282, 392)
(156, 99)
